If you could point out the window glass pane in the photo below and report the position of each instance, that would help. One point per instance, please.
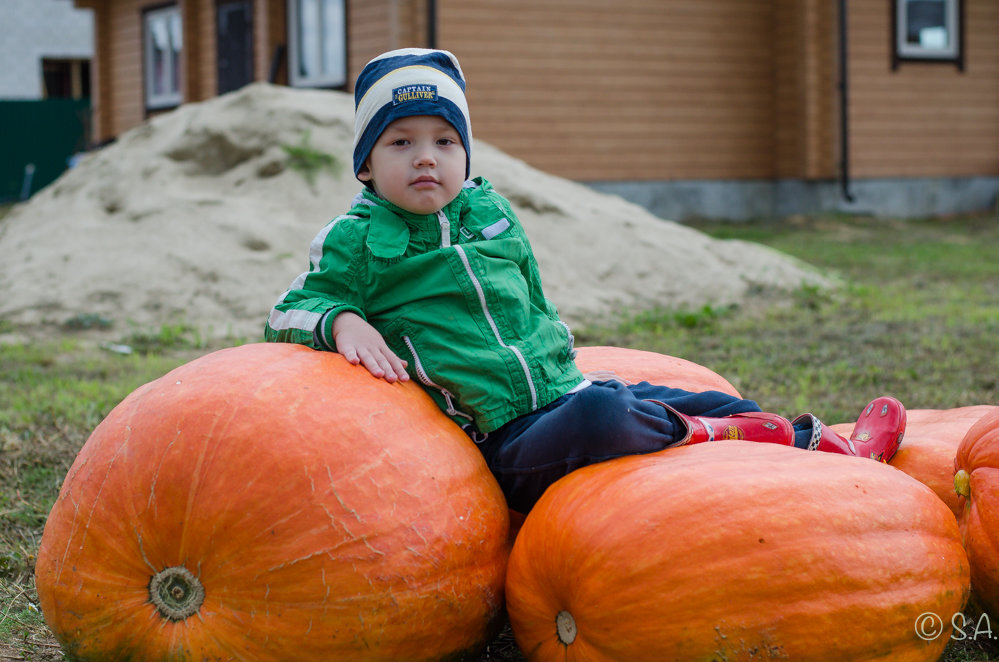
(156, 75)
(317, 56)
(176, 41)
(333, 34)
(164, 42)
(309, 53)
(926, 23)
(160, 45)
(176, 34)
(159, 33)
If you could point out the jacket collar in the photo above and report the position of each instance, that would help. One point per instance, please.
(452, 210)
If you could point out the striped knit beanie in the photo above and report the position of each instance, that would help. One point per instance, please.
(407, 82)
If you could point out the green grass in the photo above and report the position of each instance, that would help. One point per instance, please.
(52, 394)
(309, 161)
(917, 316)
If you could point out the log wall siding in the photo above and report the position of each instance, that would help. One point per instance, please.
(376, 26)
(924, 119)
(193, 14)
(270, 36)
(640, 89)
(630, 90)
(368, 33)
(806, 131)
(202, 55)
(100, 70)
(262, 48)
(126, 62)
(820, 126)
(788, 138)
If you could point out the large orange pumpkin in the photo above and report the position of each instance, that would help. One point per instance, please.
(977, 481)
(270, 502)
(930, 445)
(637, 365)
(735, 551)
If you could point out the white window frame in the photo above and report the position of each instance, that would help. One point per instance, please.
(949, 50)
(317, 38)
(164, 24)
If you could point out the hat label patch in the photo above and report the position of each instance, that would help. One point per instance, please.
(422, 92)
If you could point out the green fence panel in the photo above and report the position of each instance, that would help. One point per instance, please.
(37, 139)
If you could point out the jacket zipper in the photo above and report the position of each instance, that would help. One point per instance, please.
(492, 325)
(445, 229)
(424, 378)
(570, 339)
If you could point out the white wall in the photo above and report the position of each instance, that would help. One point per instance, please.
(33, 29)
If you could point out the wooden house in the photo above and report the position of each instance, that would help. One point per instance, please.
(720, 108)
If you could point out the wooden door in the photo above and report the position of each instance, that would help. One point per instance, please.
(234, 19)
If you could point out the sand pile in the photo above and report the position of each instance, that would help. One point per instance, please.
(198, 217)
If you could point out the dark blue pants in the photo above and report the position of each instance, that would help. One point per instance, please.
(601, 422)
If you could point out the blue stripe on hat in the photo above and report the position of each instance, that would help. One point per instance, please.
(377, 68)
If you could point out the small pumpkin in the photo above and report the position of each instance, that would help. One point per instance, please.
(976, 480)
(637, 365)
(931, 439)
(271, 502)
(734, 551)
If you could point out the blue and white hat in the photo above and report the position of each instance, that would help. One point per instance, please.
(407, 82)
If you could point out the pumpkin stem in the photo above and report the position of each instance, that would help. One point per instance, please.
(565, 625)
(176, 592)
(962, 483)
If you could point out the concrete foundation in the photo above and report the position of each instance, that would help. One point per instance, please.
(742, 200)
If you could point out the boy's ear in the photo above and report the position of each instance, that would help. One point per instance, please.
(364, 174)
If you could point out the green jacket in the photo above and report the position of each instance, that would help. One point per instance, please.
(456, 294)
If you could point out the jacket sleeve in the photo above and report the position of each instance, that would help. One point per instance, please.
(304, 313)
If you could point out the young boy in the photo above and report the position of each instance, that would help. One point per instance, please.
(430, 276)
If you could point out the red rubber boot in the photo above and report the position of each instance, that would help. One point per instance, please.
(877, 435)
(752, 426)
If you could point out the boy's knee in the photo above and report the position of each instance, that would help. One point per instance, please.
(600, 405)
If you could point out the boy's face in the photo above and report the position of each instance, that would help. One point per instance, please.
(418, 163)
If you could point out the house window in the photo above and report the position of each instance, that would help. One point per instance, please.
(163, 42)
(928, 30)
(318, 38)
(65, 79)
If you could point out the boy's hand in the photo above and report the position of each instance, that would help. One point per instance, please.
(359, 342)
